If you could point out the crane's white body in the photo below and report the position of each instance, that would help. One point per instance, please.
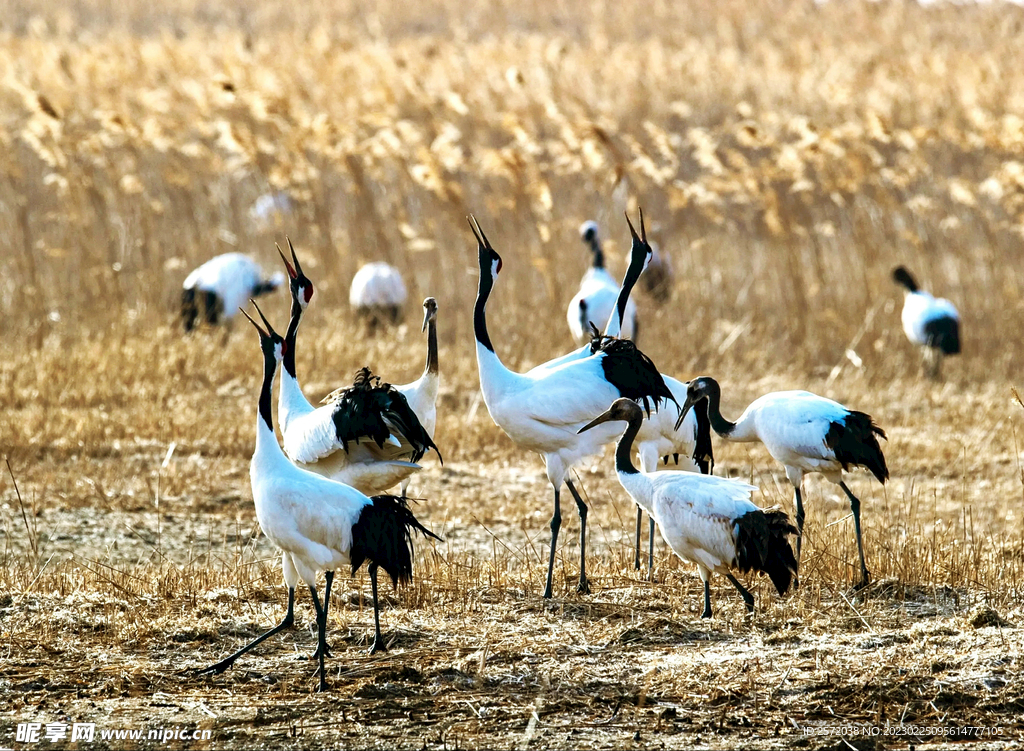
(377, 285)
(311, 440)
(307, 516)
(233, 277)
(695, 513)
(920, 309)
(543, 411)
(792, 425)
(422, 397)
(598, 291)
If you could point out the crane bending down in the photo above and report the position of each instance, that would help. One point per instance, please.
(542, 410)
(708, 521)
(805, 433)
(932, 323)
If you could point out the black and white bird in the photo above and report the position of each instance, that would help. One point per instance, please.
(594, 302)
(805, 433)
(929, 322)
(708, 521)
(543, 410)
(422, 393)
(366, 435)
(690, 441)
(213, 292)
(377, 293)
(318, 524)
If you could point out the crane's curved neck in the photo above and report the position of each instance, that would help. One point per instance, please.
(595, 248)
(723, 427)
(624, 448)
(289, 337)
(636, 267)
(265, 421)
(431, 366)
(479, 316)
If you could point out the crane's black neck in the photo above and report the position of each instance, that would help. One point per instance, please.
(479, 317)
(595, 248)
(624, 448)
(431, 366)
(721, 426)
(290, 335)
(636, 267)
(269, 369)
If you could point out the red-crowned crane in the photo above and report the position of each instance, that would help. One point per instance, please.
(542, 410)
(217, 289)
(708, 521)
(377, 293)
(929, 322)
(805, 433)
(319, 524)
(594, 302)
(422, 393)
(366, 436)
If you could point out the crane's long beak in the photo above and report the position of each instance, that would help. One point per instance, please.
(687, 405)
(291, 270)
(426, 319)
(606, 417)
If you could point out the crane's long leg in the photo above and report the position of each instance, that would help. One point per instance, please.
(287, 622)
(321, 629)
(556, 522)
(707, 600)
(855, 508)
(650, 552)
(800, 530)
(378, 640)
(329, 578)
(639, 522)
(748, 598)
(584, 586)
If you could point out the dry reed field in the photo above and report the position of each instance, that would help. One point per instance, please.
(787, 155)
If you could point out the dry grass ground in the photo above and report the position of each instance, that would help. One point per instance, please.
(789, 155)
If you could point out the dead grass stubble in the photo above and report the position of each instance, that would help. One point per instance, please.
(788, 157)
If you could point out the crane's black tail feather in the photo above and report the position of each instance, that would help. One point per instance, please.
(854, 440)
(762, 544)
(383, 535)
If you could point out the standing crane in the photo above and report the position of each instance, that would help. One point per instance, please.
(542, 410)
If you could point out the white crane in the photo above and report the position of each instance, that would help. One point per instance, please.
(366, 436)
(805, 433)
(422, 393)
(542, 410)
(594, 302)
(659, 435)
(214, 291)
(929, 322)
(708, 521)
(377, 293)
(319, 524)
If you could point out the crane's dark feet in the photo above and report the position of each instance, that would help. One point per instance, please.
(316, 654)
(796, 583)
(378, 645)
(864, 581)
(706, 613)
(636, 564)
(215, 669)
(583, 588)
